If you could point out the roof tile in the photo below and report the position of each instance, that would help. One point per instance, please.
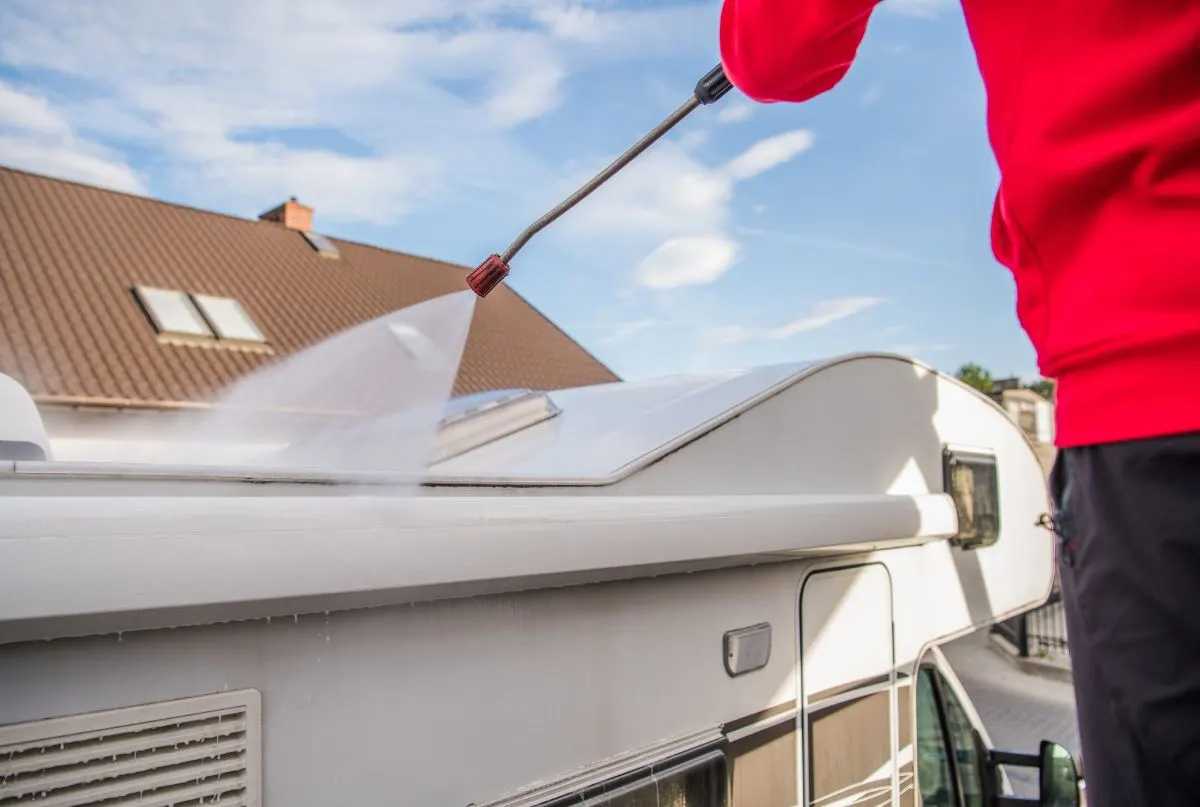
(71, 327)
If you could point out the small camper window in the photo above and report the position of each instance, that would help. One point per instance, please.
(701, 781)
(974, 485)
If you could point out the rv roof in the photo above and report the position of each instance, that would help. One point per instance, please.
(586, 435)
(606, 430)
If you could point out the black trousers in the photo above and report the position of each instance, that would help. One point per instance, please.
(1128, 520)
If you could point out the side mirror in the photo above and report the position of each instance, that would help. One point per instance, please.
(1059, 777)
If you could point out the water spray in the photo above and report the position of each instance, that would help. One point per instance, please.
(491, 273)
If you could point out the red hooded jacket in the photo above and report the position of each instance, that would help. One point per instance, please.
(1094, 118)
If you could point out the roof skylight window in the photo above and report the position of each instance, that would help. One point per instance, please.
(471, 421)
(322, 244)
(228, 318)
(462, 406)
(172, 312)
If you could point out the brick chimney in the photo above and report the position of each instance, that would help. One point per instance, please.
(291, 214)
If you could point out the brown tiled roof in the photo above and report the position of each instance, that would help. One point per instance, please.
(72, 330)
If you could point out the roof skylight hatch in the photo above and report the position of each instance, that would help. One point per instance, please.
(228, 318)
(172, 312)
(321, 244)
(474, 420)
(199, 318)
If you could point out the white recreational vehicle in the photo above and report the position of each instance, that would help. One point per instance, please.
(724, 590)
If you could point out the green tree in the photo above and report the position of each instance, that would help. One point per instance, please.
(1043, 387)
(975, 376)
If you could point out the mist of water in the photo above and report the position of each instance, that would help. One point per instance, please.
(368, 399)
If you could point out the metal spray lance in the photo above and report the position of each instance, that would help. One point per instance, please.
(489, 274)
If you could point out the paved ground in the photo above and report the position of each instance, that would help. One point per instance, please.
(1019, 709)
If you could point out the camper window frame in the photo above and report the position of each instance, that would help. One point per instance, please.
(715, 761)
(600, 794)
(956, 455)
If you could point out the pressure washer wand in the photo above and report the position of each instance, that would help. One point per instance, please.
(491, 273)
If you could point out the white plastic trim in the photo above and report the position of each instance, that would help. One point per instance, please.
(134, 561)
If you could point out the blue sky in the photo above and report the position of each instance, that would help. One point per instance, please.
(754, 234)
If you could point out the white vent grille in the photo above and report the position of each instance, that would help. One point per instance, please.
(185, 753)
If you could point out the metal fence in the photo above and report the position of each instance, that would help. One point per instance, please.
(1039, 632)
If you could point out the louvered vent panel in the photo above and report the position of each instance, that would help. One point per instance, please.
(186, 753)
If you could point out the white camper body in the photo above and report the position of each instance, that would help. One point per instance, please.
(710, 590)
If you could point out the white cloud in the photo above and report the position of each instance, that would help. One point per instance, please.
(430, 89)
(688, 261)
(823, 314)
(625, 330)
(35, 137)
(376, 190)
(735, 112)
(820, 242)
(574, 22)
(528, 94)
(69, 162)
(871, 95)
(29, 113)
(693, 139)
(668, 198)
(770, 153)
(925, 9)
(665, 193)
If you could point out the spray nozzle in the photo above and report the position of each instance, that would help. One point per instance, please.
(491, 273)
(488, 275)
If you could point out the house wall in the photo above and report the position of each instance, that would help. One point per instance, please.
(1035, 415)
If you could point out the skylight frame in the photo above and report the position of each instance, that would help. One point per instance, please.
(210, 308)
(155, 302)
(495, 416)
(463, 407)
(322, 244)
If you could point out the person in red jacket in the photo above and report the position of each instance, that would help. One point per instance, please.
(1093, 113)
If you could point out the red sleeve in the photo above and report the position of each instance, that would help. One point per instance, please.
(790, 50)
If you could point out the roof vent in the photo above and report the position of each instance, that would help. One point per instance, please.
(204, 750)
(22, 434)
